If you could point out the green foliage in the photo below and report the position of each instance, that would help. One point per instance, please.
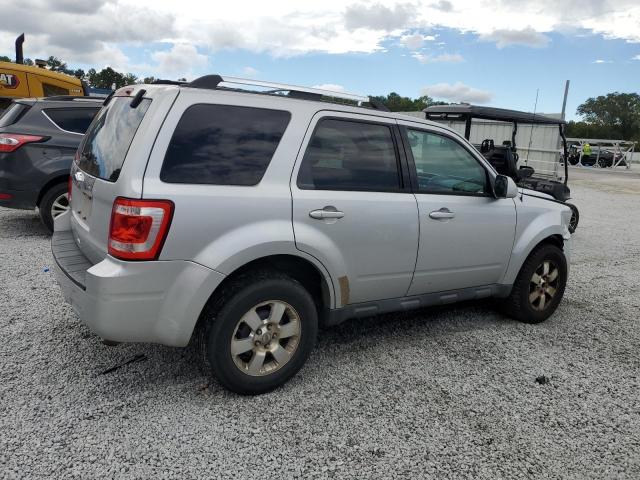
(615, 115)
(396, 103)
(4, 58)
(148, 79)
(109, 78)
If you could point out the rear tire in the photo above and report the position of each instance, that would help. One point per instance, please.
(55, 201)
(539, 286)
(258, 332)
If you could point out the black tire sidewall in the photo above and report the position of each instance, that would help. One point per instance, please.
(221, 328)
(547, 252)
(47, 201)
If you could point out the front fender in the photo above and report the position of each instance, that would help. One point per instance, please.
(537, 219)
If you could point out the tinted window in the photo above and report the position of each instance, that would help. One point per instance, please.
(53, 90)
(223, 145)
(12, 114)
(445, 166)
(107, 141)
(348, 155)
(75, 120)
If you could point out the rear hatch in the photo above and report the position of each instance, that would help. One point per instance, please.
(111, 160)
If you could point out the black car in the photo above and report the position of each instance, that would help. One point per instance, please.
(38, 139)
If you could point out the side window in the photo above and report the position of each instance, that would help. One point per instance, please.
(350, 155)
(53, 90)
(75, 120)
(445, 166)
(223, 145)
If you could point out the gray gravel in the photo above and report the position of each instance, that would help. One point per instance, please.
(441, 393)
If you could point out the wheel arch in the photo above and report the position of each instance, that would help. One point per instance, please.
(312, 276)
(522, 251)
(60, 177)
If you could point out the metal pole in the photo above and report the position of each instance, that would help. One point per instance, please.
(564, 100)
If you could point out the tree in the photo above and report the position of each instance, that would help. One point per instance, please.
(396, 103)
(57, 65)
(148, 80)
(617, 114)
(105, 78)
(130, 79)
(79, 73)
(4, 58)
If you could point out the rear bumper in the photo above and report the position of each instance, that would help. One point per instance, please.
(157, 302)
(20, 199)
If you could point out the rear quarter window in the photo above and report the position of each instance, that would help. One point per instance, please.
(75, 120)
(223, 145)
(12, 114)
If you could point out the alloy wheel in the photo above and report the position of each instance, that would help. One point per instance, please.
(265, 338)
(60, 205)
(543, 285)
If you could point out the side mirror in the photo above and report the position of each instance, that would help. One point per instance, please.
(525, 172)
(505, 187)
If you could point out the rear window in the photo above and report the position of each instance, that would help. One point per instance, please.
(75, 120)
(223, 145)
(12, 114)
(107, 141)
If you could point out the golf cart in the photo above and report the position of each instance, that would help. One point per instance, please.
(503, 155)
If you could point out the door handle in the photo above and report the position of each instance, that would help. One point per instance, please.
(442, 214)
(326, 212)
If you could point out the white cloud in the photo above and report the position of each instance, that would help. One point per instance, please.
(250, 71)
(637, 57)
(415, 41)
(179, 61)
(379, 17)
(440, 58)
(330, 86)
(95, 33)
(527, 37)
(602, 61)
(457, 92)
(443, 5)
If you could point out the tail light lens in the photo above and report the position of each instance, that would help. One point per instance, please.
(10, 142)
(138, 228)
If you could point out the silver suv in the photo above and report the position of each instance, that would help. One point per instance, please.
(243, 215)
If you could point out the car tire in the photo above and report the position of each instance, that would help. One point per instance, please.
(525, 302)
(55, 201)
(258, 332)
(575, 217)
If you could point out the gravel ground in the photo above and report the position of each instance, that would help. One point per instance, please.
(441, 393)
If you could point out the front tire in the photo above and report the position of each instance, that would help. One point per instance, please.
(259, 332)
(575, 217)
(54, 202)
(539, 286)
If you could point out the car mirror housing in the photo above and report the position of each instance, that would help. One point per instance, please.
(505, 187)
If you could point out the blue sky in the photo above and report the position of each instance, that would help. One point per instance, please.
(495, 52)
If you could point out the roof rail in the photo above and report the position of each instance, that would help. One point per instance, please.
(69, 98)
(214, 81)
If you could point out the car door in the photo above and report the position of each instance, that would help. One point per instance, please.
(466, 235)
(353, 208)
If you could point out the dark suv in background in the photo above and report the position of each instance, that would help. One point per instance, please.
(38, 139)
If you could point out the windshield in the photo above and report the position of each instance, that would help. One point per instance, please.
(109, 136)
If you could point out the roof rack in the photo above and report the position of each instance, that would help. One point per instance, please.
(294, 91)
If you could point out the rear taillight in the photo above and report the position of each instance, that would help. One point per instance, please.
(10, 142)
(138, 228)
